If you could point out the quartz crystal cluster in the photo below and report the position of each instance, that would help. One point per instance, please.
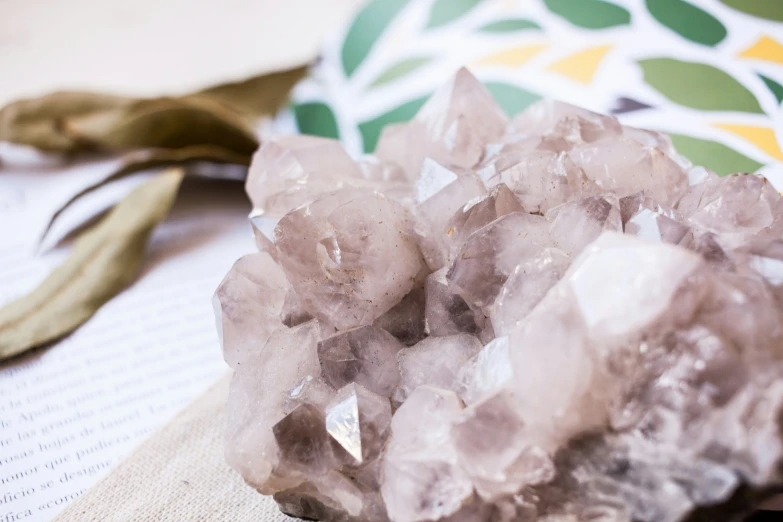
(551, 318)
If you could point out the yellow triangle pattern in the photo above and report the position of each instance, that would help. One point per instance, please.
(762, 137)
(514, 57)
(765, 49)
(582, 65)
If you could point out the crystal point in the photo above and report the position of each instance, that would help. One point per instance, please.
(421, 479)
(303, 441)
(406, 320)
(452, 128)
(489, 255)
(247, 305)
(447, 313)
(578, 223)
(350, 256)
(435, 361)
(358, 421)
(490, 441)
(292, 170)
(366, 355)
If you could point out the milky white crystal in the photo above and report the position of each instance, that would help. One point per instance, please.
(553, 318)
(350, 255)
(292, 170)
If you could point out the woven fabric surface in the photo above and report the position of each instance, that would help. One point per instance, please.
(178, 475)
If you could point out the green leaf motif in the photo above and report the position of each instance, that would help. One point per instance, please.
(371, 130)
(367, 27)
(590, 14)
(687, 20)
(511, 98)
(509, 25)
(445, 11)
(698, 86)
(316, 119)
(769, 9)
(774, 86)
(713, 155)
(400, 69)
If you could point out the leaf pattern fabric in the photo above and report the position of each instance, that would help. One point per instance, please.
(509, 25)
(590, 14)
(400, 69)
(445, 11)
(365, 30)
(316, 118)
(769, 9)
(688, 20)
(708, 72)
(698, 86)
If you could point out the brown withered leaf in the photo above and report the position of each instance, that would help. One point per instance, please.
(255, 97)
(75, 122)
(163, 123)
(137, 161)
(38, 122)
(103, 261)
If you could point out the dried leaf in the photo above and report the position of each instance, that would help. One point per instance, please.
(38, 122)
(151, 158)
(103, 261)
(164, 123)
(255, 97)
(74, 122)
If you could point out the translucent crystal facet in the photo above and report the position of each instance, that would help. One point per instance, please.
(421, 478)
(350, 256)
(446, 313)
(553, 319)
(303, 441)
(644, 218)
(525, 288)
(366, 355)
(550, 120)
(358, 421)
(435, 361)
(736, 209)
(433, 215)
(406, 320)
(452, 128)
(292, 170)
(489, 255)
(490, 440)
(578, 223)
(261, 400)
(248, 304)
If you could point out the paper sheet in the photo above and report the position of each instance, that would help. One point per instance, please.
(70, 412)
(151, 48)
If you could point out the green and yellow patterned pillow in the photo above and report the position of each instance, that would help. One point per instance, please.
(709, 73)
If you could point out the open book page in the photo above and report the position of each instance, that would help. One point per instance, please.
(69, 412)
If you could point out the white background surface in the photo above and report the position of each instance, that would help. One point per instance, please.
(151, 47)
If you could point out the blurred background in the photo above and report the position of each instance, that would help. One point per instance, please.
(150, 48)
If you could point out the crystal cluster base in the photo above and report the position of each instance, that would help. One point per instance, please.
(551, 318)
